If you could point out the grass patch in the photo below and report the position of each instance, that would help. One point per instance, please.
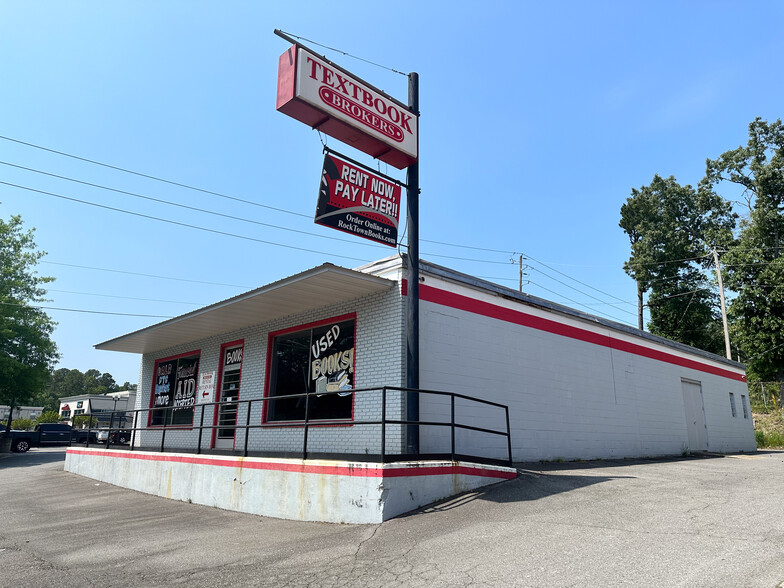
(769, 429)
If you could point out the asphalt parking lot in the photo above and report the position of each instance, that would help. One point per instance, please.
(711, 521)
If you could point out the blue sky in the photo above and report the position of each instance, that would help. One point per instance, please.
(537, 121)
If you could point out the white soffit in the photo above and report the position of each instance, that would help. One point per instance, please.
(322, 286)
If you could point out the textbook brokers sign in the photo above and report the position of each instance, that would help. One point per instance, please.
(323, 97)
(356, 201)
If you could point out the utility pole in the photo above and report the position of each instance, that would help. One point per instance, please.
(640, 306)
(520, 264)
(412, 310)
(723, 306)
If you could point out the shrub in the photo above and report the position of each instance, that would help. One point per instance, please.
(22, 424)
(50, 416)
(769, 439)
(774, 439)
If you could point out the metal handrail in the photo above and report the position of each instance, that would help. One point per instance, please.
(308, 422)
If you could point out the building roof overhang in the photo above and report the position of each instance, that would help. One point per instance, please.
(324, 285)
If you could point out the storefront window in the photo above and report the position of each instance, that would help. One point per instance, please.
(317, 360)
(174, 390)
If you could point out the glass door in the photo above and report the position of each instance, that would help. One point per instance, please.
(229, 393)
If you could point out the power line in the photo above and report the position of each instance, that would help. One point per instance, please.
(186, 206)
(85, 311)
(124, 297)
(672, 279)
(224, 215)
(469, 247)
(497, 278)
(116, 271)
(608, 303)
(772, 247)
(250, 202)
(578, 303)
(584, 293)
(667, 261)
(466, 258)
(346, 54)
(177, 223)
(571, 278)
(690, 292)
(778, 261)
(221, 195)
(156, 178)
(764, 352)
(104, 206)
(220, 214)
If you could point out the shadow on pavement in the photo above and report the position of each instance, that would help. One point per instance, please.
(529, 485)
(538, 480)
(554, 466)
(33, 457)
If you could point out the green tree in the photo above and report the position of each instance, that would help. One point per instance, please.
(84, 421)
(27, 352)
(97, 383)
(71, 382)
(49, 416)
(755, 263)
(63, 382)
(672, 229)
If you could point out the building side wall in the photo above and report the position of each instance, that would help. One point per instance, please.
(305, 490)
(379, 362)
(567, 398)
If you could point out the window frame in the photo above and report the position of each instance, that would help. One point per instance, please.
(197, 353)
(272, 335)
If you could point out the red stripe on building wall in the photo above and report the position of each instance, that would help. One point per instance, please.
(460, 302)
(373, 471)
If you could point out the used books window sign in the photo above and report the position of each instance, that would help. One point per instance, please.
(317, 360)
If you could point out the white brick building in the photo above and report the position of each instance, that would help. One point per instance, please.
(577, 386)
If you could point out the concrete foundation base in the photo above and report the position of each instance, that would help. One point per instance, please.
(305, 490)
